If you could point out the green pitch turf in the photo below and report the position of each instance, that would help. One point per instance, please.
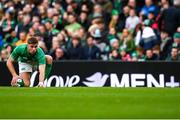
(83, 102)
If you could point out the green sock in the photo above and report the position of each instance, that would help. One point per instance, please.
(48, 70)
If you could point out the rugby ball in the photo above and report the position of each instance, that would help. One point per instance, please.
(20, 82)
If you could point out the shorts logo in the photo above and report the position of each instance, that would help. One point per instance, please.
(23, 68)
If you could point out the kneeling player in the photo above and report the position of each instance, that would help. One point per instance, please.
(29, 55)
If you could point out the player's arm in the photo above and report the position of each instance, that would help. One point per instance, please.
(11, 67)
(12, 70)
(42, 66)
(13, 57)
(41, 74)
(10, 64)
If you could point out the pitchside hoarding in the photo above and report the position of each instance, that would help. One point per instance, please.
(101, 74)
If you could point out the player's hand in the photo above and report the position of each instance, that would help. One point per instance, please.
(41, 84)
(14, 81)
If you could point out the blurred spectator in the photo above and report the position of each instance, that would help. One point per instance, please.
(156, 51)
(113, 49)
(90, 50)
(140, 54)
(36, 18)
(27, 9)
(70, 9)
(7, 22)
(73, 24)
(124, 55)
(134, 56)
(132, 20)
(137, 34)
(50, 13)
(148, 38)
(43, 32)
(132, 4)
(153, 23)
(25, 25)
(170, 18)
(41, 10)
(97, 13)
(57, 22)
(10, 38)
(74, 49)
(22, 38)
(150, 55)
(176, 38)
(117, 21)
(165, 4)
(50, 33)
(118, 5)
(166, 43)
(114, 44)
(9, 48)
(41, 42)
(112, 34)
(83, 19)
(59, 54)
(57, 4)
(148, 7)
(114, 55)
(126, 41)
(136, 5)
(35, 26)
(82, 34)
(55, 45)
(126, 11)
(4, 55)
(97, 37)
(175, 55)
(62, 39)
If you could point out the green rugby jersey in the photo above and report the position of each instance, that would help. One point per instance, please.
(21, 54)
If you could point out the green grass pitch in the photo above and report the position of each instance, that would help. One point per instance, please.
(84, 102)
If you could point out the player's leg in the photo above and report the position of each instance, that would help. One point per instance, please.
(25, 70)
(49, 61)
(26, 78)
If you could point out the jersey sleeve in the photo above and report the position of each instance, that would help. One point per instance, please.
(41, 57)
(15, 54)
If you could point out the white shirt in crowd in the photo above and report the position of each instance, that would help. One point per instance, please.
(148, 32)
(131, 22)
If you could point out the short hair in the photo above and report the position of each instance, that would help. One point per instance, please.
(32, 40)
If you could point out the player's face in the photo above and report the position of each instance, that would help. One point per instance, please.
(32, 48)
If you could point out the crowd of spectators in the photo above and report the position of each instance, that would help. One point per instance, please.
(125, 30)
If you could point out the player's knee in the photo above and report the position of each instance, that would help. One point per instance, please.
(26, 83)
(49, 59)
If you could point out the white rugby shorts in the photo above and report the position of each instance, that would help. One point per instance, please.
(25, 67)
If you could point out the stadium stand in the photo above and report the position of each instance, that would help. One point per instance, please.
(124, 30)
